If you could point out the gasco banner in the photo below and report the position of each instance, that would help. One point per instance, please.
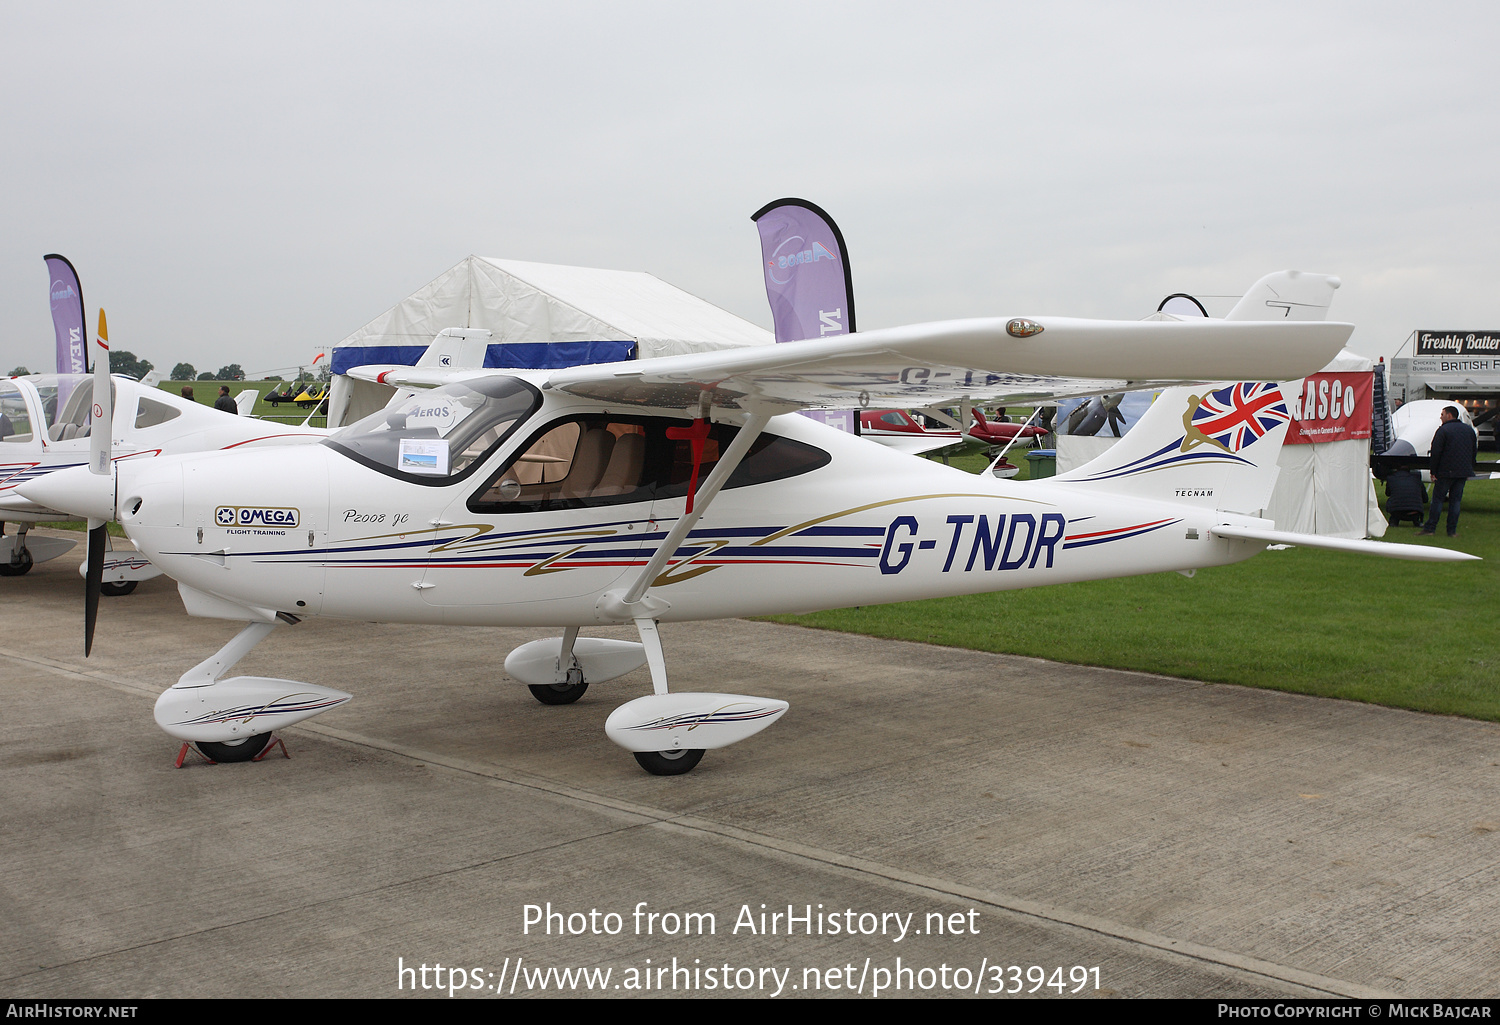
(1331, 407)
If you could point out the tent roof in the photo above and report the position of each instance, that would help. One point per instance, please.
(1348, 361)
(540, 302)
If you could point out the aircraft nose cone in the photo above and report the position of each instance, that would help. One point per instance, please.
(76, 491)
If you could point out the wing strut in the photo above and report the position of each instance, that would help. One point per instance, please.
(632, 603)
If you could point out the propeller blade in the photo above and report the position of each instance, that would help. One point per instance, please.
(94, 580)
(101, 453)
(100, 434)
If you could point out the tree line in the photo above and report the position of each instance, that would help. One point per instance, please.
(124, 362)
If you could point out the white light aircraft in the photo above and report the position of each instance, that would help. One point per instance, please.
(47, 424)
(675, 489)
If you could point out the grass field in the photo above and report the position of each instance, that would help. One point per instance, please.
(1410, 635)
(206, 391)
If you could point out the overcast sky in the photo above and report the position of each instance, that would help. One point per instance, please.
(251, 183)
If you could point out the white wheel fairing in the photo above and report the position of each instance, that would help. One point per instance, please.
(686, 721)
(601, 658)
(241, 707)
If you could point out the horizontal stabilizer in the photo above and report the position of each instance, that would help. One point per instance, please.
(399, 376)
(1416, 553)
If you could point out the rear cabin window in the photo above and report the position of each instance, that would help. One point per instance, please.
(149, 413)
(614, 460)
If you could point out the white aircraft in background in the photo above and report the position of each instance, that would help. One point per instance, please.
(676, 489)
(1414, 423)
(46, 424)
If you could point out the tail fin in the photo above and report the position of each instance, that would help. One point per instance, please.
(1214, 446)
(457, 348)
(1287, 295)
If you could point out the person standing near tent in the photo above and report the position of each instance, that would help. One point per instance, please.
(1453, 449)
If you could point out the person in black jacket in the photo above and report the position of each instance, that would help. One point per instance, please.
(1453, 449)
(224, 402)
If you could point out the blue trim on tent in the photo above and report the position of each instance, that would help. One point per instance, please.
(517, 355)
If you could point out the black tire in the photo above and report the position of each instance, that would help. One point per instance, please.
(669, 763)
(235, 751)
(15, 569)
(558, 693)
(117, 588)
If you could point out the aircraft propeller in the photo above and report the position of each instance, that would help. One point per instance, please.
(100, 464)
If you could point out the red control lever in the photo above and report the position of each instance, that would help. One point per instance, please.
(696, 435)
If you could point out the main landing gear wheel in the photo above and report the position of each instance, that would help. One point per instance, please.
(15, 569)
(233, 750)
(117, 588)
(669, 763)
(558, 693)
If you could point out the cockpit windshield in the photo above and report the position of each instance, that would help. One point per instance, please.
(67, 401)
(440, 435)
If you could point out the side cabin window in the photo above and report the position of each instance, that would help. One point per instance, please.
(149, 413)
(605, 459)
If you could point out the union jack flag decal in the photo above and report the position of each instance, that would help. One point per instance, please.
(1234, 417)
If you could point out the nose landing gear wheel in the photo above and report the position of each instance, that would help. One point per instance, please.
(117, 588)
(669, 763)
(558, 693)
(235, 750)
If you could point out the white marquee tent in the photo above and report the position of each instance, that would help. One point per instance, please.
(541, 315)
(1326, 487)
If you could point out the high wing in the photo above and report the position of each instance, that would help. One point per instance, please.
(993, 359)
(1017, 359)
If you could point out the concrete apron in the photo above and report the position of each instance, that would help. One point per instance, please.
(1185, 839)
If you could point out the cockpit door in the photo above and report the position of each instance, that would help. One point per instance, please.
(564, 514)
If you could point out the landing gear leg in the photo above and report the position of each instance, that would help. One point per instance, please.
(676, 761)
(572, 688)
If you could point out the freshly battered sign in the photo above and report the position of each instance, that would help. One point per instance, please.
(1458, 343)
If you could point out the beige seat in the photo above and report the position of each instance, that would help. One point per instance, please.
(589, 462)
(623, 474)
